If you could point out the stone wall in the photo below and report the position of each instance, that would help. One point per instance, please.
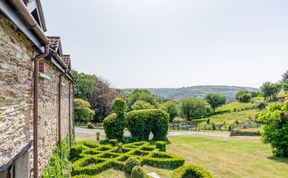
(16, 82)
(48, 114)
(65, 108)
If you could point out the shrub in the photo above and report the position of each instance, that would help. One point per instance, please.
(82, 111)
(275, 129)
(131, 163)
(90, 125)
(138, 172)
(163, 160)
(141, 123)
(114, 124)
(161, 145)
(191, 171)
(142, 105)
(59, 165)
(243, 96)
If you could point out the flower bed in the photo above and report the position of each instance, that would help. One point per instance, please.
(91, 158)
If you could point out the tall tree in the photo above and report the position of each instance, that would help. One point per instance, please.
(270, 90)
(84, 84)
(215, 100)
(244, 96)
(194, 108)
(82, 110)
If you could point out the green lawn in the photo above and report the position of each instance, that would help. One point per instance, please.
(223, 157)
(231, 157)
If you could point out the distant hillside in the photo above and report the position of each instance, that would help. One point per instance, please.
(196, 91)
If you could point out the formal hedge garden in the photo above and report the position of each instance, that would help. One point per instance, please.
(90, 158)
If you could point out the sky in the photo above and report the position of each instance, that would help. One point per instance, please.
(173, 43)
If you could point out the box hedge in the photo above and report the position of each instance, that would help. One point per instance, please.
(141, 123)
(191, 171)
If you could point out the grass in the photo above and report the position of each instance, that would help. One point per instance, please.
(229, 118)
(235, 105)
(231, 157)
(223, 157)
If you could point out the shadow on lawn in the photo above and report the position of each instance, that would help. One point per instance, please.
(280, 160)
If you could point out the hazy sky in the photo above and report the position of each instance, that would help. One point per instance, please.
(174, 43)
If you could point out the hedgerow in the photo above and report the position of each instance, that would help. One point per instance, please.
(191, 171)
(141, 123)
(91, 158)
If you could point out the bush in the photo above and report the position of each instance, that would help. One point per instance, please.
(141, 122)
(161, 145)
(113, 142)
(243, 96)
(191, 171)
(114, 124)
(90, 125)
(82, 111)
(138, 172)
(131, 163)
(194, 108)
(163, 160)
(275, 129)
(59, 164)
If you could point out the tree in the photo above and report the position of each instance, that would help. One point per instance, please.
(84, 84)
(82, 110)
(140, 104)
(144, 95)
(270, 90)
(101, 98)
(244, 96)
(285, 81)
(193, 108)
(171, 108)
(215, 100)
(275, 129)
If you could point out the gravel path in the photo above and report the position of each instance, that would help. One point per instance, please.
(91, 132)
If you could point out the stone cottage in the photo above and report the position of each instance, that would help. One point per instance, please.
(36, 90)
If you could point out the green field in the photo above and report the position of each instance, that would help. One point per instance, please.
(235, 105)
(231, 117)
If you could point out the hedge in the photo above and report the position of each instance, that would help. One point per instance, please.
(191, 171)
(92, 158)
(161, 145)
(141, 123)
(138, 172)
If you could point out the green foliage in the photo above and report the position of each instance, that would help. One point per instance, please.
(114, 124)
(244, 96)
(131, 163)
(275, 129)
(91, 158)
(215, 100)
(119, 106)
(90, 126)
(142, 95)
(270, 90)
(141, 122)
(82, 110)
(284, 81)
(138, 172)
(84, 84)
(171, 108)
(190, 171)
(161, 145)
(59, 164)
(193, 108)
(140, 104)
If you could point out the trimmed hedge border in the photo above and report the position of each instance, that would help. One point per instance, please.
(244, 133)
(91, 158)
(191, 171)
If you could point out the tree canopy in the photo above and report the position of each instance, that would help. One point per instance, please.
(215, 100)
(171, 108)
(284, 81)
(143, 95)
(270, 90)
(194, 108)
(82, 110)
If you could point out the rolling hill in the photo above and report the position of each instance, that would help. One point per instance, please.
(196, 91)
